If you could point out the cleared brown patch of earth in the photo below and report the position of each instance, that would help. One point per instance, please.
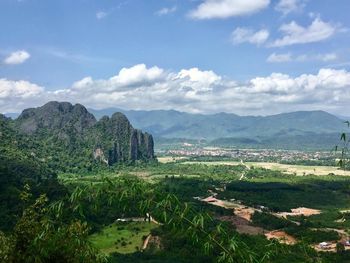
(298, 212)
(240, 210)
(245, 212)
(243, 225)
(241, 217)
(281, 236)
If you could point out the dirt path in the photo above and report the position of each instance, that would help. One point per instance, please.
(145, 242)
(241, 215)
(242, 218)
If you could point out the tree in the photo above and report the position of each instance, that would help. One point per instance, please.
(340, 248)
(41, 237)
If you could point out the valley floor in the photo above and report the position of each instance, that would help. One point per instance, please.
(257, 199)
(299, 170)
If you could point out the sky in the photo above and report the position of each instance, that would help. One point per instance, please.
(249, 57)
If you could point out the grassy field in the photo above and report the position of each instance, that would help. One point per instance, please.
(168, 159)
(285, 168)
(122, 238)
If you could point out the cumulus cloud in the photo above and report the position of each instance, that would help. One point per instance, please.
(166, 11)
(137, 74)
(294, 33)
(288, 6)
(18, 89)
(191, 90)
(241, 35)
(210, 9)
(17, 57)
(15, 95)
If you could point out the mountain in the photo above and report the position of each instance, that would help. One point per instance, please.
(70, 136)
(174, 124)
(120, 140)
(60, 137)
(60, 117)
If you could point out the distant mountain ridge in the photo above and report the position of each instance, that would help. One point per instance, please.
(174, 124)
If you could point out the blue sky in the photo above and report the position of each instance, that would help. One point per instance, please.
(247, 57)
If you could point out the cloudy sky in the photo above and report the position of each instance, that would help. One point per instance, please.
(242, 56)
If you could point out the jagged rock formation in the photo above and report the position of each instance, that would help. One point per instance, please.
(73, 132)
(121, 141)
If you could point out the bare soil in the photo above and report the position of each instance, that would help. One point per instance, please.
(243, 225)
(281, 236)
(298, 212)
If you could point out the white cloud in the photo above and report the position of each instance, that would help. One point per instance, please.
(18, 89)
(191, 90)
(241, 35)
(17, 57)
(288, 57)
(166, 11)
(137, 74)
(296, 34)
(101, 15)
(278, 58)
(320, 57)
(15, 95)
(83, 83)
(327, 57)
(196, 79)
(288, 6)
(210, 9)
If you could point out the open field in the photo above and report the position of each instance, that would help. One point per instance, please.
(124, 237)
(168, 159)
(299, 170)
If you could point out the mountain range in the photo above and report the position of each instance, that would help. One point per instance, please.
(294, 130)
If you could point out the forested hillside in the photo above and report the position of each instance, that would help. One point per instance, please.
(19, 166)
(69, 137)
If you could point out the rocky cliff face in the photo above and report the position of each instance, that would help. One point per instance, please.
(121, 141)
(73, 131)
